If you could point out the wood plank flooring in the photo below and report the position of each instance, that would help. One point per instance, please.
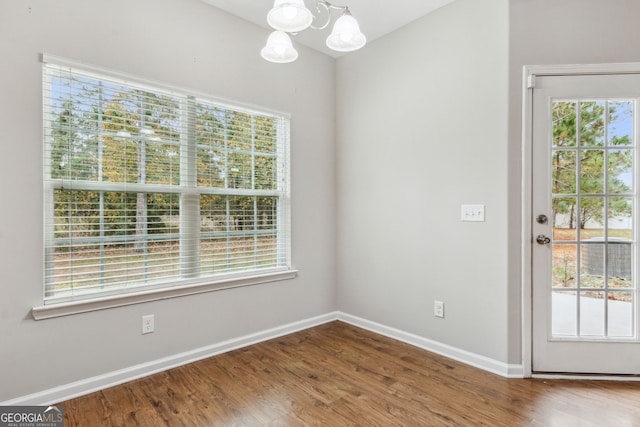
(339, 375)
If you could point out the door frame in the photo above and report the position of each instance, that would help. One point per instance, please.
(530, 72)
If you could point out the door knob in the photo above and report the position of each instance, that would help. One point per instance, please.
(541, 219)
(542, 239)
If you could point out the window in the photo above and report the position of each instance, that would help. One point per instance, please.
(147, 187)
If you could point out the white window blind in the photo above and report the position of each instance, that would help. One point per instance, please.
(147, 187)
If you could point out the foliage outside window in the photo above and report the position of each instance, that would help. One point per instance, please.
(147, 187)
(591, 142)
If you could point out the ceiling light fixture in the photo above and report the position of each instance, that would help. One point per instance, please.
(292, 16)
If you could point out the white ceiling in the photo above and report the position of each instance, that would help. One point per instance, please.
(376, 17)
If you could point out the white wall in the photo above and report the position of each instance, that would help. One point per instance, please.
(430, 117)
(422, 129)
(185, 43)
(556, 32)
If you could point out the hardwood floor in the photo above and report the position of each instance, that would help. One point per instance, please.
(339, 375)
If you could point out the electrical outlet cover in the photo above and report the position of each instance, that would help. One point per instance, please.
(148, 324)
(438, 308)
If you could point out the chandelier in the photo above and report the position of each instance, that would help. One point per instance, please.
(292, 16)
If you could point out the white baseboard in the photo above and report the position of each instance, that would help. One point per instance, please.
(100, 382)
(586, 377)
(109, 379)
(466, 357)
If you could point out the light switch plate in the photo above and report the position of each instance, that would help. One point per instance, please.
(473, 213)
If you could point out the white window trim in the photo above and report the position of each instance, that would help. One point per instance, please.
(197, 286)
(104, 302)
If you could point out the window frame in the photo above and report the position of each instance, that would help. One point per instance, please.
(188, 188)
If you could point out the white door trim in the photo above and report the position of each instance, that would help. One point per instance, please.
(530, 72)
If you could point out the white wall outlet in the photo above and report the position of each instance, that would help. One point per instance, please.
(474, 213)
(147, 324)
(438, 308)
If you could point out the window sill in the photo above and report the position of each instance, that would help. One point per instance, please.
(102, 303)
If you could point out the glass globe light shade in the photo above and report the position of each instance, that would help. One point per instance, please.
(289, 16)
(279, 48)
(346, 35)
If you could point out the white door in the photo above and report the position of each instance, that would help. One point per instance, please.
(584, 224)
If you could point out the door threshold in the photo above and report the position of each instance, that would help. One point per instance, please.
(587, 377)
